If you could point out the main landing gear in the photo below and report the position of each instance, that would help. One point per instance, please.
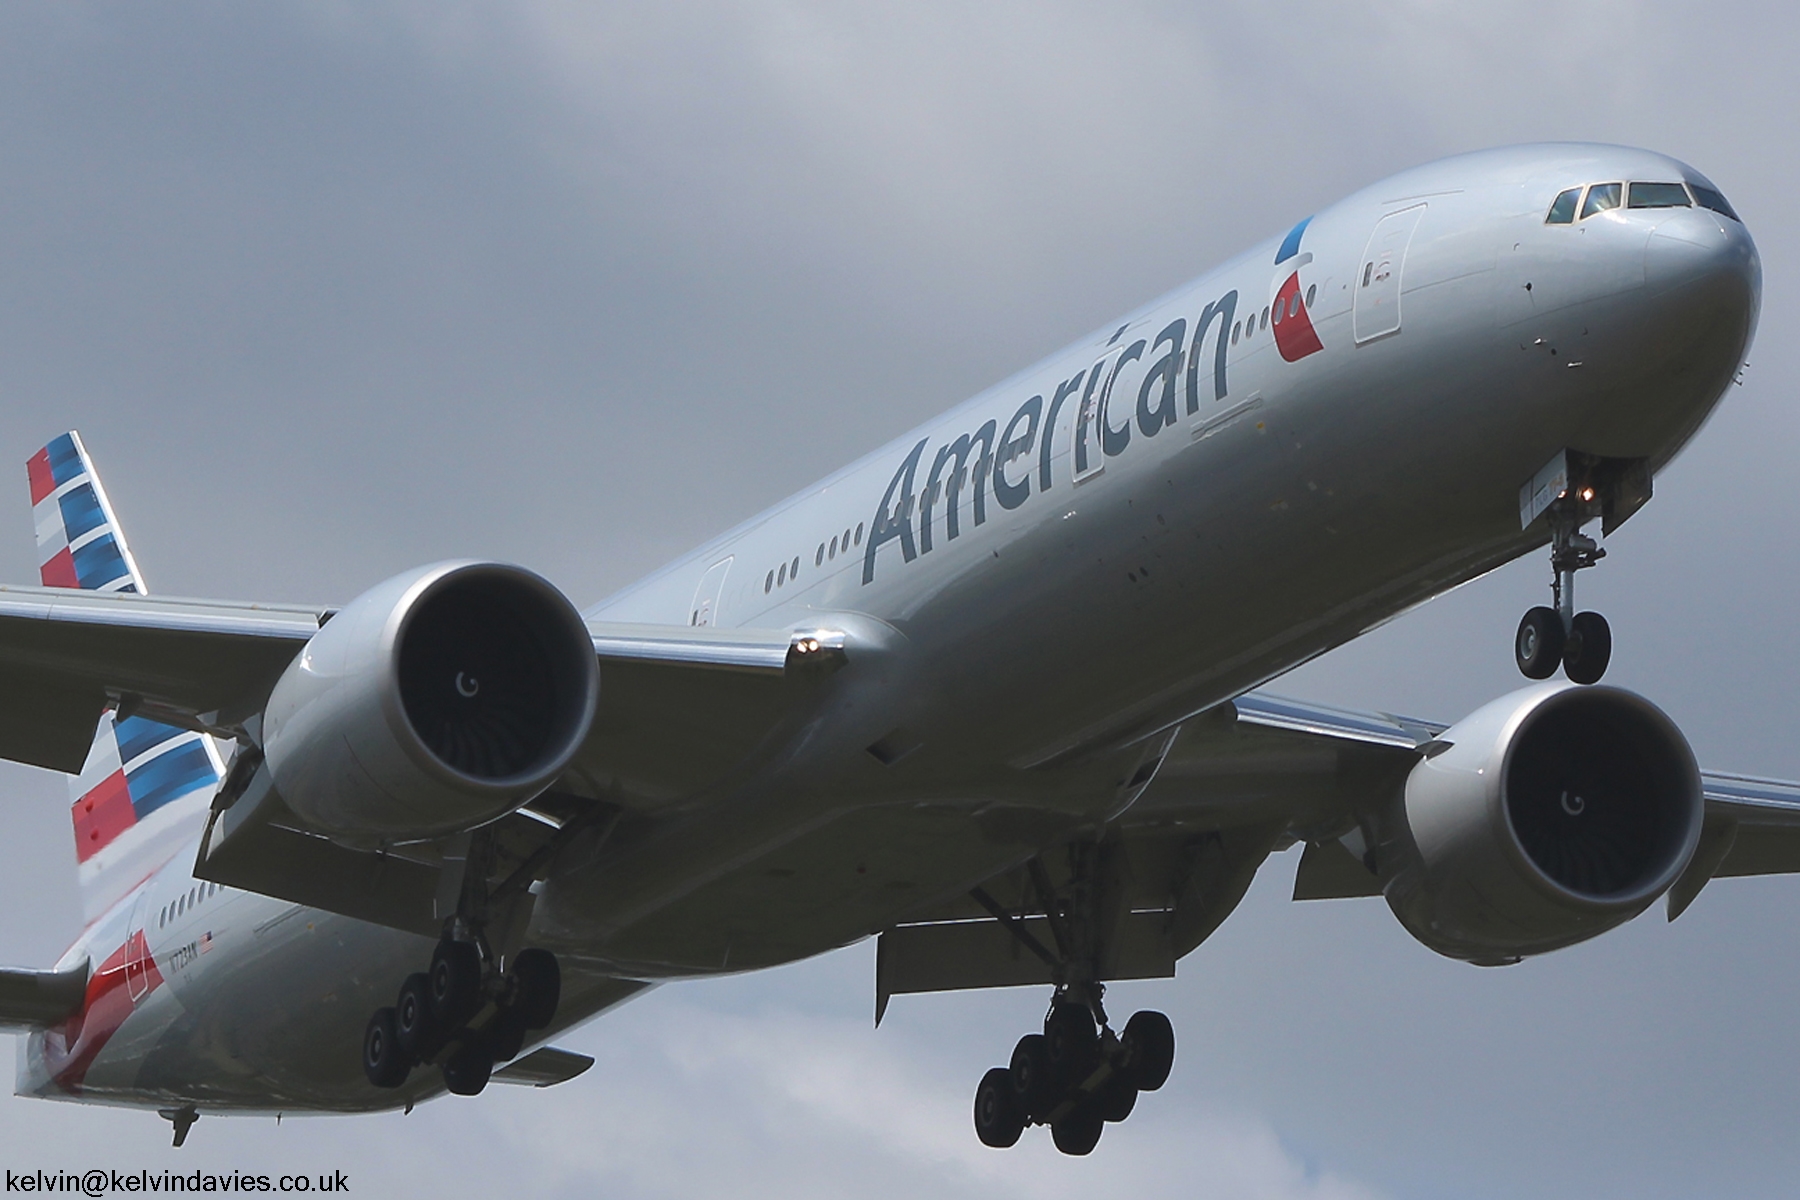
(463, 1015)
(470, 1010)
(1548, 637)
(1076, 1076)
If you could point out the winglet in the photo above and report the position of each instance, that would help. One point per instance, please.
(80, 544)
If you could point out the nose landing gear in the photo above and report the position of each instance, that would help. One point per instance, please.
(1548, 637)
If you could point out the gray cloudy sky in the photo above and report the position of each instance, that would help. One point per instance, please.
(333, 290)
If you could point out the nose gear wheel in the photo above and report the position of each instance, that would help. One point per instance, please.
(1549, 637)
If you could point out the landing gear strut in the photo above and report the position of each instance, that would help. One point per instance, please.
(1078, 1075)
(1580, 642)
(469, 1011)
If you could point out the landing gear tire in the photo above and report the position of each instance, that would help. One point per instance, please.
(413, 1026)
(539, 987)
(1079, 1132)
(1588, 648)
(999, 1119)
(466, 1071)
(455, 984)
(384, 1062)
(1033, 1081)
(1070, 1042)
(1538, 646)
(1115, 1101)
(507, 1038)
(1149, 1045)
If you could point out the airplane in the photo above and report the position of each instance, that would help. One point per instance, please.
(991, 695)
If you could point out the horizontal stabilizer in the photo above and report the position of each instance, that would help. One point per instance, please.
(544, 1068)
(34, 999)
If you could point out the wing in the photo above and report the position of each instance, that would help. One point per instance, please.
(1245, 780)
(680, 707)
(201, 664)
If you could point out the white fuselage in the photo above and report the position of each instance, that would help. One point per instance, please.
(1219, 507)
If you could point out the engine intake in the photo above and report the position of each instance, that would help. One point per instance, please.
(435, 702)
(1554, 814)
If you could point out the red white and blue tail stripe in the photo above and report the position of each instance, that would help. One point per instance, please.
(146, 785)
(144, 790)
(79, 543)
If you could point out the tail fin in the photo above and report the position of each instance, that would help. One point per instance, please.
(143, 792)
(146, 785)
(79, 542)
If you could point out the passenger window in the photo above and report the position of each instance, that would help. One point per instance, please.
(769, 583)
(1310, 293)
(1234, 332)
(819, 555)
(1562, 209)
(859, 530)
(794, 571)
(1265, 319)
(781, 575)
(1710, 198)
(1601, 197)
(1280, 311)
(832, 553)
(1659, 195)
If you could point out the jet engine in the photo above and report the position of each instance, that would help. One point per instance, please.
(1542, 819)
(433, 703)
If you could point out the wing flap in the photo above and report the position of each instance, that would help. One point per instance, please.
(544, 1067)
(1328, 871)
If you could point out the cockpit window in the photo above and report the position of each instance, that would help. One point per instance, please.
(1710, 198)
(1659, 195)
(1562, 209)
(1601, 197)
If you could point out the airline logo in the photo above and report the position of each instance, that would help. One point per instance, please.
(135, 767)
(78, 542)
(1295, 337)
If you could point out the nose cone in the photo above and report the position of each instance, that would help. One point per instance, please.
(1709, 262)
(1664, 353)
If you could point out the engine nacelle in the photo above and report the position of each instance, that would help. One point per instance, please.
(1555, 814)
(433, 703)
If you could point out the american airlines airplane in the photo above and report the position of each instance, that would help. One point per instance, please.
(988, 694)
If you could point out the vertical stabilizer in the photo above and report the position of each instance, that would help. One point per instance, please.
(79, 542)
(143, 793)
(146, 785)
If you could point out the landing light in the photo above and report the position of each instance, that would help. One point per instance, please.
(1587, 494)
